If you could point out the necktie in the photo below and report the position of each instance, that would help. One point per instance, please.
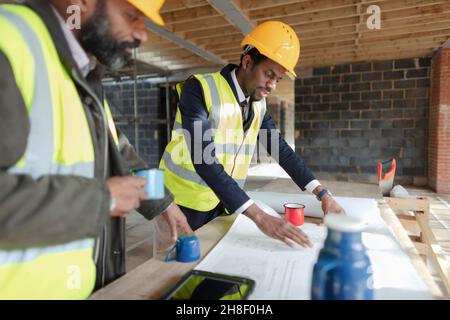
(244, 109)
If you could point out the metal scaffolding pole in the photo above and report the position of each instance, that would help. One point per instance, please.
(136, 124)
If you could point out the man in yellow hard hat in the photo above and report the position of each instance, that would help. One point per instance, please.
(221, 116)
(64, 170)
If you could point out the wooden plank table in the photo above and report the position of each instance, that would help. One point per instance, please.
(154, 277)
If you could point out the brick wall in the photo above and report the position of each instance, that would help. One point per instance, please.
(439, 123)
(349, 117)
(282, 113)
(151, 135)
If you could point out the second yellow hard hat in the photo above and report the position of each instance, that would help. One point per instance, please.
(150, 8)
(277, 41)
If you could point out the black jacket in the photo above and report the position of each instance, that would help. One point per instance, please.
(59, 209)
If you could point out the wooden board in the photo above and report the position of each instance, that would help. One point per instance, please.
(408, 246)
(418, 204)
(435, 252)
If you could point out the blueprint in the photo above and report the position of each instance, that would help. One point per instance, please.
(282, 272)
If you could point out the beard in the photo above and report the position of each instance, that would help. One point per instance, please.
(257, 96)
(97, 39)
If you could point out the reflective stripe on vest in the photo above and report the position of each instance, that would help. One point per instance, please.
(40, 142)
(63, 271)
(187, 174)
(234, 149)
(111, 125)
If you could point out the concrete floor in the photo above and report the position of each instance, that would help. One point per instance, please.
(140, 231)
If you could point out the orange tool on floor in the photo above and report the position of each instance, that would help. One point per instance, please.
(386, 182)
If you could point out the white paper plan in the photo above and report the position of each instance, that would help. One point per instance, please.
(281, 272)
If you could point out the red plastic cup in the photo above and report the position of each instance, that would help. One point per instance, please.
(295, 213)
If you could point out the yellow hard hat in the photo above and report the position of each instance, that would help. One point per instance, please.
(277, 41)
(150, 8)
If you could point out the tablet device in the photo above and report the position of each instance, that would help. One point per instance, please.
(202, 285)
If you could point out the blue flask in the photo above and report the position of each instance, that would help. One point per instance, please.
(343, 270)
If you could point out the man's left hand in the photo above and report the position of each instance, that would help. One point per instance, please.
(176, 220)
(330, 205)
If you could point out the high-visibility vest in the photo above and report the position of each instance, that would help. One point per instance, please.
(234, 147)
(59, 143)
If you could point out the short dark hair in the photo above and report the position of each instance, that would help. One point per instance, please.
(256, 56)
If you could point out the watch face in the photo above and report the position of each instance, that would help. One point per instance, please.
(322, 194)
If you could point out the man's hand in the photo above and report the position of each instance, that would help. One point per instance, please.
(330, 205)
(277, 228)
(176, 219)
(127, 192)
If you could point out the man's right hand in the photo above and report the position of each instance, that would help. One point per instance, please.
(277, 228)
(128, 192)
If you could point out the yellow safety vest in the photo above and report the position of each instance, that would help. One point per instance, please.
(234, 147)
(59, 143)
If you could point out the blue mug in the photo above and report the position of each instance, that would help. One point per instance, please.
(187, 250)
(155, 185)
(343, 270)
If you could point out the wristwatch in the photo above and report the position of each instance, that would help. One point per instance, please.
(323, 193)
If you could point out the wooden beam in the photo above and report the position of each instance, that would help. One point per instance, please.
(348, 12)
(229, 45)
(431, 28)
(304, 26)
(358, 27)
(198, 24)
(232, 58)
(351, 29)
(327, 60)
(312, 6)
(437, 255)
(410, 35)
(411, 226)
(417, 41)
(264, 4)
(407, 43)
(329, 40)
(315, 34)
(184, 43)
(175, 5)
(422, 248)
(412, 21)
(189, 15)
(386, 6)
(418, 12)
(234, 38)
(303, 7)
(317, 16)
(223, 51)
(211, 32)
